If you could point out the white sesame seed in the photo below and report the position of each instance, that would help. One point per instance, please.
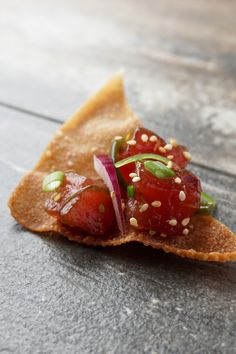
(144, 138)
(57, 197)
(153, 138)
(136, 179)
(185, 231)
(133, 222)
(152, 232)
(93, 149)
(123, 205)
(173, 142)
(131, 142)
(162, 149)
(118, 137)
(143, 208)
(170, 164)
(187, 155)
(163, 235)
(172, 222)
(69, 163)
(182, 196)
(112, 194)
(133, 174)
(185, 221)
(170, 157)
(178, 180)
(168, 147)
(156, 203)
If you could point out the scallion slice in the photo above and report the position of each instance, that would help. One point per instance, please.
(140, 157)
(207, 204)
(130, 191)
(114, 152)
(158, 169)
(115, 148)
(52, 181)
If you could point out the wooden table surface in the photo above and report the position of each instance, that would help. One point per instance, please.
(179, 59)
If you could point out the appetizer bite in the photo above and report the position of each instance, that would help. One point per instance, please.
(146, 186)
(120, 183)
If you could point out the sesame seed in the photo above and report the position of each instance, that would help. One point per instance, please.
(156, 203)
(93, 149)
(185, 231)
(185, 221)
(152, 232)
(123, 205)
(136, 179)
(131, 142)
(133, 222)
(57, 197)
(168, 147)
(172, 222)
(162, 149)
(178, 180)
(118, 137)
(187, 155)
(173, 142)
(170, 164)
(144, 138)
(133, 174)
(163, 235)
(143, 208)
(112, 194)
(182, 196)
(69, 163)
(153, 138)
(170, 157)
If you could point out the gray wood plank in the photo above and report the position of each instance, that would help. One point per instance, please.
(58, 297)
(179, 61)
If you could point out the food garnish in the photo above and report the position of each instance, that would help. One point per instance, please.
(207, 205)
(106, 170)
(52, 181)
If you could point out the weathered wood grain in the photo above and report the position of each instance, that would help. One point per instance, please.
(179, 60)
(58, 297)
(180, 67)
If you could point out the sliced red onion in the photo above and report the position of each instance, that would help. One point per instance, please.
(106, 170)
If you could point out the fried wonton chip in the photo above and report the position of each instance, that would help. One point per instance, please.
(91, 130)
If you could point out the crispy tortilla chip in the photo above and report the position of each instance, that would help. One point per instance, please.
(91, 130)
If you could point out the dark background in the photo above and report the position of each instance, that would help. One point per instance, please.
(179, 59)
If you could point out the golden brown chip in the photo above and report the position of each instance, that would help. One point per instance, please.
(91, 130)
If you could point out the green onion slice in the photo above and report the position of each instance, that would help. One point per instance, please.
(52, 181)
(158, 169)
(140, 157)
(207, 204)
(114, 151)
(130, 191)
(115, 148)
